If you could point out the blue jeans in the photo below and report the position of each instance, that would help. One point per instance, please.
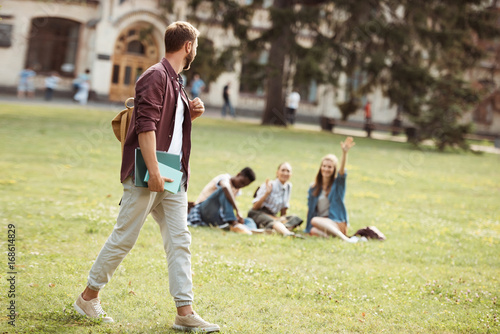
(216, 210)
(250, 224)
(227, 104)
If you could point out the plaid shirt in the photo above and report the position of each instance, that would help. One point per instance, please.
(194, 216)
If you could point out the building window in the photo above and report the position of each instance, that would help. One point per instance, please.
(5, 35)
(166, 4)
(253, 72)
(354, 83)
(116, 74)
(128, 73)
(312, 92)
(267, 3)
(136, 47)
(53, 45)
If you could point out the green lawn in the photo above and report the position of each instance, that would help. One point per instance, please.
(438, 271)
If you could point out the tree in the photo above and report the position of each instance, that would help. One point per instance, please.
(281, 42)
(416, 52)
(209, 62)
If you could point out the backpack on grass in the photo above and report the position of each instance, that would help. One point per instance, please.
(121, 122)
(370, 232)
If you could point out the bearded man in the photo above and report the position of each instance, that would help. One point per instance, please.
(161, 121)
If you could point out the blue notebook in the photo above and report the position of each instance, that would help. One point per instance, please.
(140, 170)
(166, 171)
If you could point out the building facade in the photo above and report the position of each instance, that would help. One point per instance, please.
(118, 39)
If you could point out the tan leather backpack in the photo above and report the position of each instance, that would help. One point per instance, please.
(121, 122)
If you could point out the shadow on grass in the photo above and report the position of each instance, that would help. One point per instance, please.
(60, 321)
(69, 321)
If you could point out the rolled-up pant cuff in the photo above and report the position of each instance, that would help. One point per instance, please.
(93, 287)
(183, 303)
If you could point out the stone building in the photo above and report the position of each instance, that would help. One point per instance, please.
(115, 39)
(118, 39)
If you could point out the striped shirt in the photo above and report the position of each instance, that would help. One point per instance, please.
(279, 197)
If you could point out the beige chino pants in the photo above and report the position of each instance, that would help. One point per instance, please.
(170, 212)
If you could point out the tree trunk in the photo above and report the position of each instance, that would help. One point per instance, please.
(274, 112)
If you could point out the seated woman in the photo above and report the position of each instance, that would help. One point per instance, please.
(327, 214)
(273, 197)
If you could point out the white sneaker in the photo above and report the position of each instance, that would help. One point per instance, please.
(354, 239)
(240, 228)
(91, 308)
(257, 231)
(194, 323)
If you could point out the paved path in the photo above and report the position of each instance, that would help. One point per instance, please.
(214, 112)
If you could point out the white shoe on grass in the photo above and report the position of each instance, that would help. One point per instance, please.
(240, 228)
(194, 323)
(92, 309)
(354, 239)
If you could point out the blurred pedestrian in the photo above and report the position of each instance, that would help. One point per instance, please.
(197, 86)
(26, 86)
(368, 111)
(50, 85)
(368, 119)
(81, 78)
(227, 101)
(82, 95)
(184, 79)
(292, 104)
(397, 123)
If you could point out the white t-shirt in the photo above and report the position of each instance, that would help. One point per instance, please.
(293, 100)
(51, 82)
(176, 144)
(212, 186)
(323, 205)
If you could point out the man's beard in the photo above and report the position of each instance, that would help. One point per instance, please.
(188, 60)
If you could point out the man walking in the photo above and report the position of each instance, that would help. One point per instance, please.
(292, 104)
(197, 86)
(227, 101)
(368, 119)
(161, 121)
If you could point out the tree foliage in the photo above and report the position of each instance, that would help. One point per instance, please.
(210, 62)
(415, 51)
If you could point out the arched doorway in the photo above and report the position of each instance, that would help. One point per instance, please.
(135, 51)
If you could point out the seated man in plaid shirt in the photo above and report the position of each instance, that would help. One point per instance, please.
(216, 204)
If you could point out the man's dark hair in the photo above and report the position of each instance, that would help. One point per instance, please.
(248, 173)
(179, 33)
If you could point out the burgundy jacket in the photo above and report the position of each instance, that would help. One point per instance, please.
(155, 102)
